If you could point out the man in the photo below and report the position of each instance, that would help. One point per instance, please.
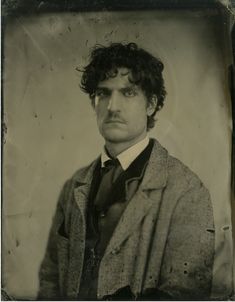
(136, 223)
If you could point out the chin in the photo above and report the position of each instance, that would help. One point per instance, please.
(115, 136)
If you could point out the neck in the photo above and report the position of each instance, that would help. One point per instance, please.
(115, 148)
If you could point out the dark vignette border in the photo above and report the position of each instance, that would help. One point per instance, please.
(15, 8)
(232, 89)
(22, 7)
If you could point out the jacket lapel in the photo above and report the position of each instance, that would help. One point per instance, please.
(155, 178)
(82, 187)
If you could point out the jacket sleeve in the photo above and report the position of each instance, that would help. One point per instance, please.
(49, 288)
(189, 253)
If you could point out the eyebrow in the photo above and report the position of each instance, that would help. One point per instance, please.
(125, 87)
(103, 89)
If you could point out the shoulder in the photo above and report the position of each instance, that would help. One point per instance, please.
(193, 196)
(180, 173)
(179, 177)
(191, 200)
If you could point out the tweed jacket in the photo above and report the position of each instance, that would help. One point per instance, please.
(163, 240)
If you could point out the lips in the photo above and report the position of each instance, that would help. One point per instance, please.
(113, 121)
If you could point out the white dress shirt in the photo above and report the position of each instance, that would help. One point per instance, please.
(128, 156)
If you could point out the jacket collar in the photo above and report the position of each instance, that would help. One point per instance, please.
(85, 175)
(82, 185)
(155, 175)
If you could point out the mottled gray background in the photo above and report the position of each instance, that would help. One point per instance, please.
(51, 127)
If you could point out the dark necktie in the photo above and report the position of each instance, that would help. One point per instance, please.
(109, 174)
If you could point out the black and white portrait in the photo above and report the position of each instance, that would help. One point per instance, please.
(117, 155)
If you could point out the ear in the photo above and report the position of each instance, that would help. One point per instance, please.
(152, 105)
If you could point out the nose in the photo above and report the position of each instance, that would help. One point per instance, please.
(114, 102)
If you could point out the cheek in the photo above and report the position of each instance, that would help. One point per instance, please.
(138, 116)
(100, 113)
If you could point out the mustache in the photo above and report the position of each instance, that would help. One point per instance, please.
(114, 117)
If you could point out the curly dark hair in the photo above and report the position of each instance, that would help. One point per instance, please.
(146, 71)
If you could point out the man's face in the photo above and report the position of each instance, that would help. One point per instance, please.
(121, 109)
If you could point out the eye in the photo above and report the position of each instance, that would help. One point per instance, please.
(101, 93)
(129, 92)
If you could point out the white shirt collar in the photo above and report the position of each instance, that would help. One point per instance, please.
(128, 156)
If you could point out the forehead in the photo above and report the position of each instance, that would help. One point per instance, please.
(119, 80)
